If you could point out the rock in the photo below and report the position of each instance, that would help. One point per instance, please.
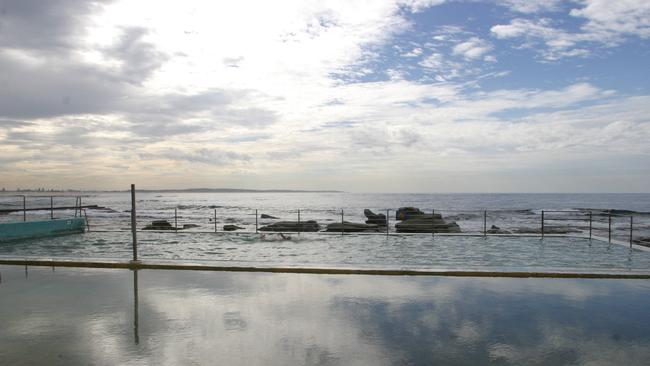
(645, 241)
(189, 226)
(159, 225)
(374, 219)
(297, 226)
(350, 227)
(265, 216)
(231, 228)
(404, 213)
(427, 224)
(497, 230)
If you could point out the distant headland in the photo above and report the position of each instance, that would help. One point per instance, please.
(184, 190)
(235, 190)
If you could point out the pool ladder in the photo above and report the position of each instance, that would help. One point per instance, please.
(78, 209)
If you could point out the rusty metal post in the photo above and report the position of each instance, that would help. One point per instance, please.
(542, 224)
(256, 226)
(133, 224)
(342, 223)
(51, 208)
(590, 223)
(299, 227)
(176, 220)
(215, 220)
(24, 208)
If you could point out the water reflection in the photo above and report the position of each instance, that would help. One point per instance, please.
(136, 333)
(83, 316)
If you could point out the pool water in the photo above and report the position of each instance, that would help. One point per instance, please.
(350, 249)
(67, 316)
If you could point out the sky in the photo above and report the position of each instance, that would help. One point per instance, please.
(360, 96)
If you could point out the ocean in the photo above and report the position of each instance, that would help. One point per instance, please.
(505, 210)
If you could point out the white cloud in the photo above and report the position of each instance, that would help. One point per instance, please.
(417, 51)
(556, 43)
(624, 17)
(473, 48)
(608, 24)
(530, 6)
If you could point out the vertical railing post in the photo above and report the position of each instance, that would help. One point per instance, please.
(24, 208)
(215, 220)
(256, 226)
(542, 224)
(609, 229)
(176, 219)
(485, 223)
(631, 228)
(299, 227)
(342, 223)
(590, 223)
(133, 224)
(387, 221)
(433, 212)
(51, 208)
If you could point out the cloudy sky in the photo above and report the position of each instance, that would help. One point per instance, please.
(369, 96)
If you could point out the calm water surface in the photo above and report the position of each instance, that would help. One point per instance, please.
(349, 250)
(91, 317)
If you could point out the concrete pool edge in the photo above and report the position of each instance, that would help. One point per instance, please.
(443, 272)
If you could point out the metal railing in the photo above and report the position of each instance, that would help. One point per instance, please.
(549, 223)
(78, 207)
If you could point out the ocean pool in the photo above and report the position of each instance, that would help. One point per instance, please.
(348, 250)
(72, 316)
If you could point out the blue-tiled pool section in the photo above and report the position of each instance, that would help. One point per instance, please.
(71, 316)
(347, 250)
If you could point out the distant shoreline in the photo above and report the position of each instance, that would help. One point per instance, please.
(186, 190)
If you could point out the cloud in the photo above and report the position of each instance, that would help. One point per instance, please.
(211, 156)
(555, 42)
(630, 17)
(50, 26)
(608, 24)
(138, 58)
(531, 6)
(305, 89)
(473, 48)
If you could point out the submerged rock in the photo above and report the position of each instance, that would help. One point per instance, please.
(190, 226)
(427, 223)
(265, 216)
(159, 225)
(374, 219)
(547, 230)
(231, 227)
(645, 241)
(299, 226)
(351, 227)
(497, 230)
